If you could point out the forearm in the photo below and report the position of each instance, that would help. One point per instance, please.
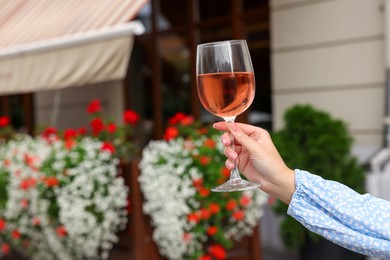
(360, 223)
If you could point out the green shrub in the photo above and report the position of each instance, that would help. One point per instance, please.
(312, 140)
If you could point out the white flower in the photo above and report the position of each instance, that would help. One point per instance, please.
(90, 199)
(166, 181)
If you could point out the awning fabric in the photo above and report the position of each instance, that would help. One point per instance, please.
(46, 44)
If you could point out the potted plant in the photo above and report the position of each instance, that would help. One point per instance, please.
(61, 194)
(189, 221)
(314, 141)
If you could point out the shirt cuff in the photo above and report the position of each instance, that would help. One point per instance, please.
(303, 180)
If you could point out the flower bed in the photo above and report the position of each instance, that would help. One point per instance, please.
(60, 193)
(189, 221)
(60, 201)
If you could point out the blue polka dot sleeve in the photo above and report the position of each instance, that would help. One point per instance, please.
(360, 223)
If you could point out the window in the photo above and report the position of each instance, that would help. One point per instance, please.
(20, 110)
(162, 67)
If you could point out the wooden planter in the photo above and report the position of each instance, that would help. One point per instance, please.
(136, 241)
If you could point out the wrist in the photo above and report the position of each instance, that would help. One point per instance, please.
(283, 186)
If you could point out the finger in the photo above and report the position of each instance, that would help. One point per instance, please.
(249, 129)
(230, 153)
(226, 140)
(242, 137)
(229, 164)
(222, 126)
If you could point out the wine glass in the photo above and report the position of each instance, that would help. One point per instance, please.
(226, 88)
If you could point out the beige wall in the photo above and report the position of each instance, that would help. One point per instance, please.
(330, 53)
(74, 102)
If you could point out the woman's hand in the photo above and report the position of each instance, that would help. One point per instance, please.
(257, 158)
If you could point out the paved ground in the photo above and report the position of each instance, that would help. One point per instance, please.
(269, 254)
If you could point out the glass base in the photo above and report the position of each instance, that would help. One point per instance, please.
(236, 185)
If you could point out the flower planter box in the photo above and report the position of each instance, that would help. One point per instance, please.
(136, 241)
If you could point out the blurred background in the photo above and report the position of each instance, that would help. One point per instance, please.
(331, 54)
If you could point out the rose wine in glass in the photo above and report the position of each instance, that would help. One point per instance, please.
(226, 88)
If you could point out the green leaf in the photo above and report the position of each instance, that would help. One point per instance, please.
(314, 141)
(3, 188)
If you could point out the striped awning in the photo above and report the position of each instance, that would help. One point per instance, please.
(46, 44)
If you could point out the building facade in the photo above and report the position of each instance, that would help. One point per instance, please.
(331, 54)
(327, 53)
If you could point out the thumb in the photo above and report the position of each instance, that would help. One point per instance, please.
(242, 138)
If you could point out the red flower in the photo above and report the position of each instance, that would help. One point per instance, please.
(97, 125)
(203, 131)
(205, 214)
(70, 133)
(82, 130)
(245, 201)
(210, 143)
(193, 217)
(29, 160)
(61, 231)
(5, 249)
(231, 205)
(204, 192)
(24, 203)
(205, 257)
(15, 234)
(225, 172)
(7, 162)
(197, 182)
(130, 117)
(239, 215)
(4, 121)
(36, 221)
(106, 146)
(204, 160)
(170, 133)
(51, 181)
(94, 106)
(111, 128)
(187, 236)
(217, 251)
(27, 183)
(187, 120)
(214, 208)
(271, 200)
(181, 118)
(212, 230)
(176, 118)
(24, 184)
(49, 131)
(69, 143)
(2, 224)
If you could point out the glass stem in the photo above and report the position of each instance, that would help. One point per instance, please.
(234, 173)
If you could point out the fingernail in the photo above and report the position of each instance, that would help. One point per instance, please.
(229, 165)
(214, 125)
